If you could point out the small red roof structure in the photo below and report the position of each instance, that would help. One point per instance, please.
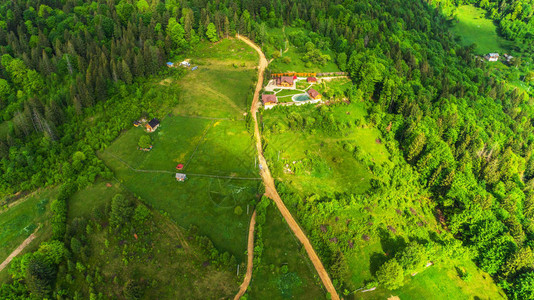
(311, 79)
(267, 98)
(294, 77)
(180, 166)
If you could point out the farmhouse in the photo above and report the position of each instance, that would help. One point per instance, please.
(269, 100)
(492, 57)
(286, 81)
(311, 79)
(314, 94)
(181, 177)
(152, 125)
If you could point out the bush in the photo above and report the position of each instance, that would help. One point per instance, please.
(238, 210)
(144, 141)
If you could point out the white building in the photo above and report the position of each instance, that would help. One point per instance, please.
(492, 57)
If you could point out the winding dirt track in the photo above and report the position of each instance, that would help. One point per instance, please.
(250, 258)
(270, 189)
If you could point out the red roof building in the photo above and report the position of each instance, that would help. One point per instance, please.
(314, 94)
(285, 81)
(311, 79)
(269, 99)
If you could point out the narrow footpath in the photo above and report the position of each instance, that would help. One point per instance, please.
(270, 189)
(250, 258)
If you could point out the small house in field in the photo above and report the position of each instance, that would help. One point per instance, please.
(492, 57)
(311, 80)
(181, 177)
(286, 81)
(170, 64)
(314, 94)
(269, 100)
(152, 125)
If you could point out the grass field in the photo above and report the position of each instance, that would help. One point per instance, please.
(209, 137)
(222, 86)
(282, 248)
(19, 221)
(474, 27)
(443, 282)
(294, 54)
(342, 172)
(176, 268)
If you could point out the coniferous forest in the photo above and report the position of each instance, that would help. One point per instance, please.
(74, 74)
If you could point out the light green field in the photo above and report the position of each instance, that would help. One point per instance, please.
(442, 282)
(222, 86)
(282, 248)
(19, 221)
(342, 172)
(474, 27)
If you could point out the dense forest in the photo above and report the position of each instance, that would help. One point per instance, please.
(465, 132)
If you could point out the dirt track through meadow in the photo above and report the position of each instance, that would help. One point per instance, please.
(270, 189)
(17, 251)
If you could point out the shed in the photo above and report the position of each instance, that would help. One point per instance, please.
(194, 68)
(185, 63)
(152, 125)
(311, 79)
(181, 177)
(170, 64)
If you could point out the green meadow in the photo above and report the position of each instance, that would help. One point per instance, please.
(474, 27)
(208, 135)
(20, 220)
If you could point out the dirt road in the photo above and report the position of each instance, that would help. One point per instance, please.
(250, 258)
(270, 189)
(18, 250)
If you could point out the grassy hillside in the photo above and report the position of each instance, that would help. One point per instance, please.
(167, 261)
(474, 27)
(209, 136)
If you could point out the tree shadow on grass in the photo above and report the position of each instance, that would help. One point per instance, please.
(390, 243)
(377, 259)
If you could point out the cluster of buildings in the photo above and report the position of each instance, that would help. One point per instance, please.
(186, 64)
(151, 126)
(495, 57)
(270, 100)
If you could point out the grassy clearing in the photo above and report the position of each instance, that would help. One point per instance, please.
(282, 249)
(473, 27)
(293, 53)
(176, 267)
(338, 171)
(443, 282)
(222, 86)
(19, 221)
